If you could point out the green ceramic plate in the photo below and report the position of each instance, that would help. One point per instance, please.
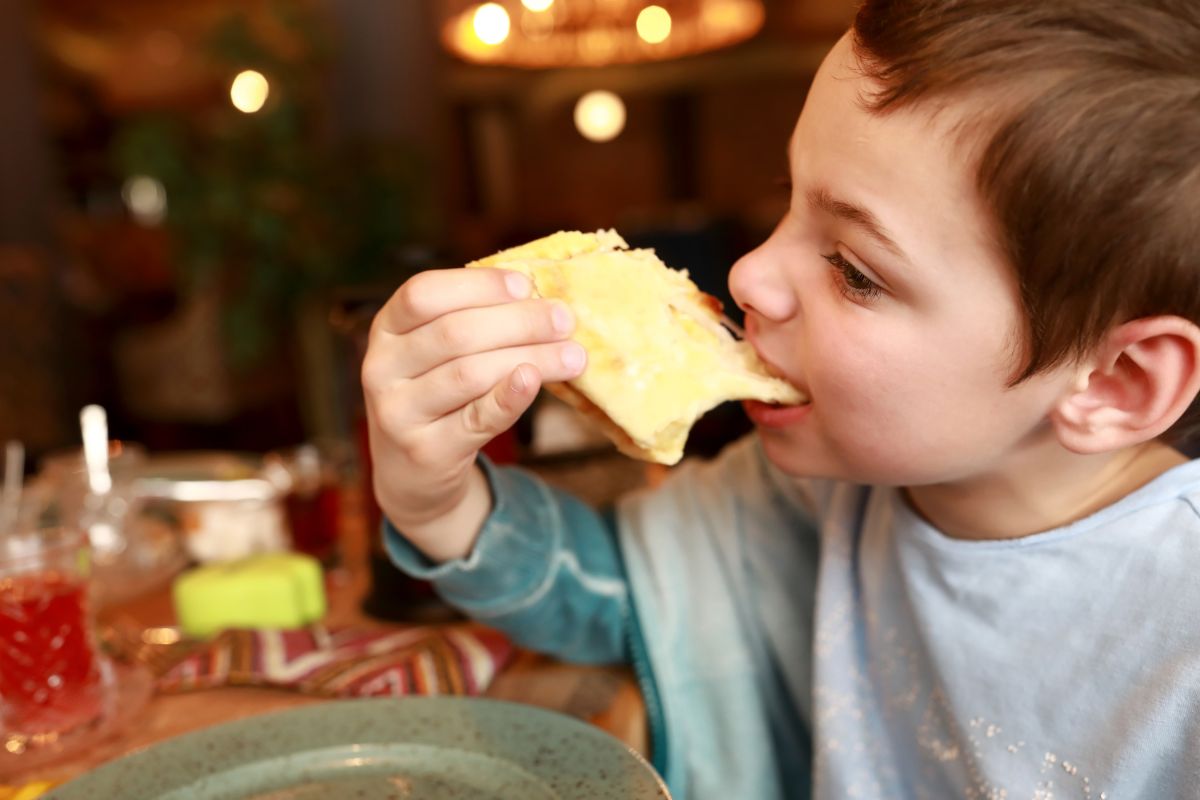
(420, 748)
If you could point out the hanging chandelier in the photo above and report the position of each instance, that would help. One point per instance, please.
(592, 33)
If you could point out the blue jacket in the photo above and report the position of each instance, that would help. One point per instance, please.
(817, 638)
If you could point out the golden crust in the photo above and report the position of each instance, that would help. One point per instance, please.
(658, 355)
(584, 406)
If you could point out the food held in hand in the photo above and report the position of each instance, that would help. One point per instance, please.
(658, 354)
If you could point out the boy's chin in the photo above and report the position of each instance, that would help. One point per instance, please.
(801, 459)
(792, 457)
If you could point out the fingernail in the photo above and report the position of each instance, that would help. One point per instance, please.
(573, 356)
(518, 285)
(518, 382)
(562, 318)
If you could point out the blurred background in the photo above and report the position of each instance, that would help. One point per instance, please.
(202, 202)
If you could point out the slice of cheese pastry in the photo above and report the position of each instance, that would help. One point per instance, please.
(658, 355)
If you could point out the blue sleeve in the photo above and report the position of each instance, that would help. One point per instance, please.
(545, 569)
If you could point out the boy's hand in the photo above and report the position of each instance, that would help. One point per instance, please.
(453, 359)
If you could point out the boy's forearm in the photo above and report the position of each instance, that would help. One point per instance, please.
(544, 568)
(452, 535)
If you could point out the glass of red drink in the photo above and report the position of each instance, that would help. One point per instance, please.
(52, 678)
(313, 499)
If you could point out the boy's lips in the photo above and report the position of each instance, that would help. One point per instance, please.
(769, 415)
(774, 415)
(774, 369)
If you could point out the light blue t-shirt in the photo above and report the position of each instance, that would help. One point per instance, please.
(816, 638)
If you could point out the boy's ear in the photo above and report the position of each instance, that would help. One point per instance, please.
(1138, 382)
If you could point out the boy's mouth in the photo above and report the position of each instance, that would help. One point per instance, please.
(806, 397)
(776, 415)
(773, 415)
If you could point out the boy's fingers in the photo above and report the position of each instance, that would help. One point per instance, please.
(481, 420)
(476, 330)
(429, 295)
(451, 386)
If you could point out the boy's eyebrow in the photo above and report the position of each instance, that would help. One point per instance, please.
(819, 198)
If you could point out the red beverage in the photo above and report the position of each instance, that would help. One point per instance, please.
(49, 678)
(314, 517)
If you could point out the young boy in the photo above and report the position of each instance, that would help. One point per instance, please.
(968, 567)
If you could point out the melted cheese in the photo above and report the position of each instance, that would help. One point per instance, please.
(658, 358)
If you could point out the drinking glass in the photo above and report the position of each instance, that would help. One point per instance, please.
(313, 497)
(52, 680)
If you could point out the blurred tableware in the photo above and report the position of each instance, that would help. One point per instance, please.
(57, 691)
(225, 504)
(93, 424)
(66, 473)
(135, 546)
(104, 514)
(381, 748)
(50, 678)
(312, 500)
(91, 487)
(155, 647)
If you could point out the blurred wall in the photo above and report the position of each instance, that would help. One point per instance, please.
(385, 84)
(32, 368)
(705, 135)
(25, 173)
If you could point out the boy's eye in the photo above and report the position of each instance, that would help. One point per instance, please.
(850, 279)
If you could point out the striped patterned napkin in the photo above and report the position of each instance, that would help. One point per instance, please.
(458, 659)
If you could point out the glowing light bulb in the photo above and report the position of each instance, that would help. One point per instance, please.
(146, 199)
(537, 5)
(600, 116)
(491, 23)
(654, 24)
(249, 91)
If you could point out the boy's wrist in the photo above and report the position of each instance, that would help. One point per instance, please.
(507, 560)
(451, 535)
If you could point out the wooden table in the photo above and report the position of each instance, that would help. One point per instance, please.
(605, 696)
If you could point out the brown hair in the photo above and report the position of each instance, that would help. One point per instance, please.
(1091, 156)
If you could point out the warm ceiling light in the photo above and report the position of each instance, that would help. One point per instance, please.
(600, 116)
(146, 199)
(491, 23)
(654, 24)
(249, 91)
(593, 33)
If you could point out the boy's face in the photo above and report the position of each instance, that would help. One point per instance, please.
(883, 296)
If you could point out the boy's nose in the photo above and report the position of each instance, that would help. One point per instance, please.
(758, 285)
